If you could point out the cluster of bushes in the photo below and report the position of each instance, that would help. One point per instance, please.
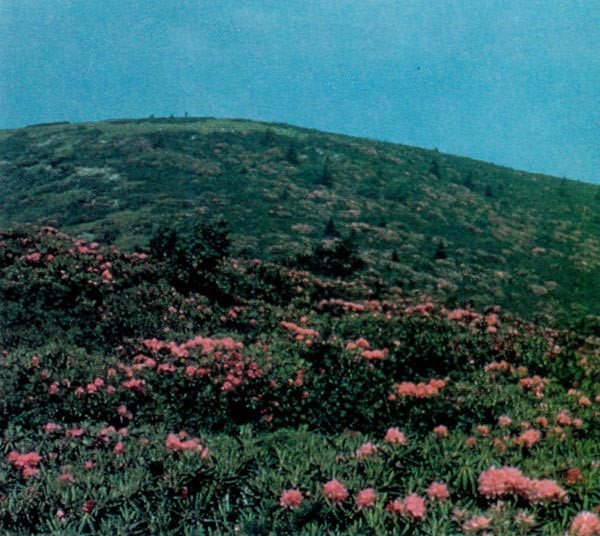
(179, 391)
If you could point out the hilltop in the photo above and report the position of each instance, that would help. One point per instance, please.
(467, 232)
(225, 327)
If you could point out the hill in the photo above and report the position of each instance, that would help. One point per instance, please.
(463, 230)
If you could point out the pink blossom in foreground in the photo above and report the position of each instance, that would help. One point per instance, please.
(438, 491)
(26, 463)
(173, 442)
(395, 437)
(441, 431)
(495, 483)
(476, 523)
(365, 498)
(412, 507)
(290, 498)
(367, 449)
(585, 524)
(335, 491)
(528, 438)
(66, 478)
(504, 420)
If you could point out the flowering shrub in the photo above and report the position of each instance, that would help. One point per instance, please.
(132, 405)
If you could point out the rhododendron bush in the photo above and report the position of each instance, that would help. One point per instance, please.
(280, 403)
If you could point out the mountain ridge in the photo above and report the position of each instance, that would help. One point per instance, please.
(469, 231)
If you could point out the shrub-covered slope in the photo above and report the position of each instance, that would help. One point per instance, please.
(464, 230)
(181, 391)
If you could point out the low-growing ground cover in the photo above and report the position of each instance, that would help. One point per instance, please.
(180, 391)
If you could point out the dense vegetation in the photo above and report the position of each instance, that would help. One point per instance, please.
(253, 329)
(181, 391)
(462, 230)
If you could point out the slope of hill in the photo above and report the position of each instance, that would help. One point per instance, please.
(464, 230)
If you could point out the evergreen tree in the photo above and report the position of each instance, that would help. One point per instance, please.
(330, 229)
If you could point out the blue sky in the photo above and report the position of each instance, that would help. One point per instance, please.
(515, 82)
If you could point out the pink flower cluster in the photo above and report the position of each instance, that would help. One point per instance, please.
(412, 507)
(495, 483)
(26, 462)
(528, 438)
(178, 442)
(535, 384)
(499, 366)
(420, 390)
(335, 491)
(347, 306)
(438, 491)
(291, 498)
(299, 331)
(395, 437)
(585, 524)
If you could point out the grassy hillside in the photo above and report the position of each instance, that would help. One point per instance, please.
(460, 229)
(252, 399)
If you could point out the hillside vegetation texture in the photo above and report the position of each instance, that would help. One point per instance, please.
(471, 232)
(223, 327)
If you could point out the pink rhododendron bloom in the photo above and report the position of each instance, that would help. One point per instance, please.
(585, 524)
(26, 463)
(528, 438)
(504, 420)
(420, 390)
(335, 491)
(441, 431)
(290, 498)
(66, 478)
(584, 401)
(412, 506)
(438, 491)
(395, 437)
(374, 354)
(470, 442)
(368, 449)
(545, 490)
(177, 443)
(563, 418)
(74, 432)
(542, 421)
(362, 343)
(119, 448)
(135, 384)
(89, 505)
(483, 430)
(495, 483)
(573, 476)
(476, 523)
(365, 498)
(52, 427)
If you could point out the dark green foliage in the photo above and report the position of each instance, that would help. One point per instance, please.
(330, 229)
(337, 257)
(326, 176)
(436, 170)
(292, 154)
(440, 252)
(192, 252)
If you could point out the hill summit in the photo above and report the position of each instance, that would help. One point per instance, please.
(468, 232)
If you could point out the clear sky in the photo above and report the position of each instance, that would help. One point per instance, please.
(515, 82)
